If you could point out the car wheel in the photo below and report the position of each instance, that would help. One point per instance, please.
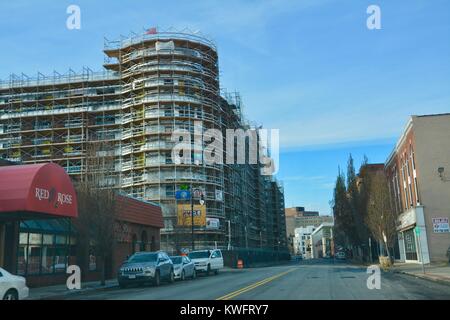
(11, 295)
(122, 285)
(194, 274)
(183, 276)
(171, 277)
(216, 272)
(208, 271)
(156, 280)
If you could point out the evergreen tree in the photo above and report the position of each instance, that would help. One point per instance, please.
(341, 210)
(355, 221)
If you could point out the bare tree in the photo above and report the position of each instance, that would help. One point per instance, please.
(97, 205)
(381, 217)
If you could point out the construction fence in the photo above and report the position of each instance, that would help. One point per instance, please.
(253, 257)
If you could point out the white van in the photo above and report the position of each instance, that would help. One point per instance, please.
(207, 261)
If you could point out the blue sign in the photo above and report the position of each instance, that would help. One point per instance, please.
(182, 195)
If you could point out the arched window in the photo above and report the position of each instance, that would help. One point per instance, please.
(144, 241)
(153, 244)
(133, 243)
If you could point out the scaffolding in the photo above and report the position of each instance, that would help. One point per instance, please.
(151, 86)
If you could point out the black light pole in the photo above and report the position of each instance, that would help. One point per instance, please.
(192, 218)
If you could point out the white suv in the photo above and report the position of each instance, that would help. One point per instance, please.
(207, 260)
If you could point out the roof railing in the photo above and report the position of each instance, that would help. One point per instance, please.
(155, 34)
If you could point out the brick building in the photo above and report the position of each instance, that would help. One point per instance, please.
(417, 171)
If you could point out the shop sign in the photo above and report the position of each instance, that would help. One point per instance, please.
(185, 215)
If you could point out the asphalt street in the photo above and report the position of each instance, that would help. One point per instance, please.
(323, 280)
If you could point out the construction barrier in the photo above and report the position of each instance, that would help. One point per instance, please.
(253, 257)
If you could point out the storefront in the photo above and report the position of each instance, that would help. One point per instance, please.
(412, 236)
(38, 234)
(37, 203)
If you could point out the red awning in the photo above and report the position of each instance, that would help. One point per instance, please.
(44, 189)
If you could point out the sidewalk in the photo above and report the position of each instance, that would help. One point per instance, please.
(434, 272)
(60, 291)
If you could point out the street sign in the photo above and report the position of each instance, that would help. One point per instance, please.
(197, 193)
(212, 223)
(184, 187)
(182, 195)
(440, 225)
(417, 230)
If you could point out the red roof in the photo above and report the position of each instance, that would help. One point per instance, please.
(38, 188)
(139, 212)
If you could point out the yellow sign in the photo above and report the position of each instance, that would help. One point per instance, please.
(185, 218)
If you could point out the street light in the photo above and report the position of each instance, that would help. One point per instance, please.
(202, 202)
(229, 235)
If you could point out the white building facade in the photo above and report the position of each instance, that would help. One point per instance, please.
(302, 241)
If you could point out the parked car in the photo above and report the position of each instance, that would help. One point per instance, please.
(146, 267)
(12, 287)
(183, 267)
(207, 261)
(340, 255)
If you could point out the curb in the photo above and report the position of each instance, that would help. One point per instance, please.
(423, 277)
(61, 296)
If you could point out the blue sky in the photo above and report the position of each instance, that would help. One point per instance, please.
(308, 67)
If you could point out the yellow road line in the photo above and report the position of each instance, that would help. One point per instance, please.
(253, 286)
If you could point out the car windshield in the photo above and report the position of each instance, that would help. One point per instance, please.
(199, 254)
(176, 260)
(143, 257)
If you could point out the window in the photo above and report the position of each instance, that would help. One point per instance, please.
(416, 188)
(34, 251)
(405, 191)
(409, 182)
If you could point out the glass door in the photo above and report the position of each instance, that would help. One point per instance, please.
(410, 245)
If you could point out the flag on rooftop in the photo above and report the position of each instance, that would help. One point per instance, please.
(151, 31)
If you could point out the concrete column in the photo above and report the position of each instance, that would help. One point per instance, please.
(420, 223)
(401, 246)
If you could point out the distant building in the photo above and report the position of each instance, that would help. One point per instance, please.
(322, 243)
(302, 241)
(418, 171)
(297, 217)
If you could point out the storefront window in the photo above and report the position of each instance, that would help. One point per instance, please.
(22, 256)
(92, 259)
(43, 253)
(47, 253)
(34, 253)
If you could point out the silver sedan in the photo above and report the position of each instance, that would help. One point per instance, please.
(183, 267)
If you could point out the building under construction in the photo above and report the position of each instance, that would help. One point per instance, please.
(152, 84)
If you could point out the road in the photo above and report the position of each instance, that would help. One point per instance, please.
(323, 280)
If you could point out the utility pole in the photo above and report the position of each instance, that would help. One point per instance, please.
(202, 202)
(260, 239)
(246, 237)
(192, 219)
(229, 234)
